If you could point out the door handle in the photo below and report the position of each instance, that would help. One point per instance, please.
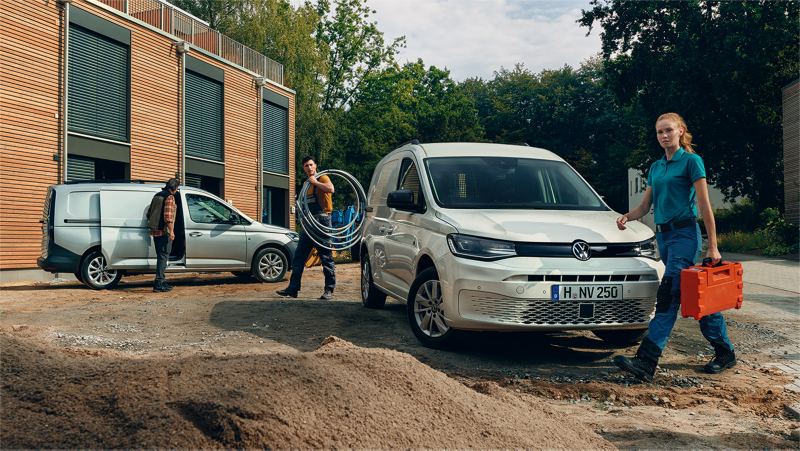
(196, 234)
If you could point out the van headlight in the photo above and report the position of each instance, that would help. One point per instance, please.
(294, 236)
(480, 248)
(648, 249)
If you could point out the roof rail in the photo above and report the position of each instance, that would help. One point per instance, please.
(76, 182)
(521, 144)
(413, 141)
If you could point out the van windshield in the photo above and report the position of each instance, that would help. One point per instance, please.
(509, 183)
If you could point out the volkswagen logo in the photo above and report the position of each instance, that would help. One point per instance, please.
(581, 250)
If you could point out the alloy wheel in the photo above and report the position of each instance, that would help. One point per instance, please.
(270, 266)
(428, 309)
(98, 272)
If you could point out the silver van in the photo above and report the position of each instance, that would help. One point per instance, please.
(476, 236)
(98, 231)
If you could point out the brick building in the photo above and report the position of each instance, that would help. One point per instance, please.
(133, 89)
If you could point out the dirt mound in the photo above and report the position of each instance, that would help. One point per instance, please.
(339, 396)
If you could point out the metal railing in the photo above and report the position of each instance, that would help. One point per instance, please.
(172, 20)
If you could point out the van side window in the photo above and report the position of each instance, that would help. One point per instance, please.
(205, 210)
(409, 178)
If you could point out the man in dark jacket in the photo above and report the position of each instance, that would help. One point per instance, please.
(161, 222)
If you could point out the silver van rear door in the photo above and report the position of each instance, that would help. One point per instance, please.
(124, 234)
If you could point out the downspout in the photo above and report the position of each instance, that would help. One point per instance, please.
(64, 94)
(182, 48)
(183, 118)
(259, 162)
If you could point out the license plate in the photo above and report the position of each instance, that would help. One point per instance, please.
(586, 292)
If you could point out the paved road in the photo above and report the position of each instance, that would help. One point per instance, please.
(775, 282)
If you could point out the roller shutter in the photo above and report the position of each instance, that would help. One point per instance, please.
(195, 181)
(274, 124)
(98, 85)
(203, 117)
(79, 168)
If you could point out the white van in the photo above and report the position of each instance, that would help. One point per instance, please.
(98, 231)
(499, 237)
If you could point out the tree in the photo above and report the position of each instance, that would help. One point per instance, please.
(721, 65)
(356, 49)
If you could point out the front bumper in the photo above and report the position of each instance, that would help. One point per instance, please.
(515, 293)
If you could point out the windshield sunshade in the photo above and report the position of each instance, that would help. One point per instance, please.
(509, 183)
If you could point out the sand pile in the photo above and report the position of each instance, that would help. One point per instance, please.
(339, 396)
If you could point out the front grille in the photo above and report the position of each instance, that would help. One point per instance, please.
(589, 277)
(557, 313)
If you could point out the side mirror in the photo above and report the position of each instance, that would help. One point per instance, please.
(234, 218)
(402, 199)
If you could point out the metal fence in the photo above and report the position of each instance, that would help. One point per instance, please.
(167, 18)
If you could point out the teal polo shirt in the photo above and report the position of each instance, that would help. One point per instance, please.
(672, 183)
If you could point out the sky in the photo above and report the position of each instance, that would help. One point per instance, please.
(475, 38)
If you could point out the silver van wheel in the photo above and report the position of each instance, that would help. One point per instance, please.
(428, 309)
(426, 315)
(95, 272)
(270, 265)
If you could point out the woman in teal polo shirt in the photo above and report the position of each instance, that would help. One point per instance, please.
(674, 183)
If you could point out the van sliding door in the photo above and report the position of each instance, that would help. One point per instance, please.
(124, 234)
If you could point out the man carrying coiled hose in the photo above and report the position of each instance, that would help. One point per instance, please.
(320, 204)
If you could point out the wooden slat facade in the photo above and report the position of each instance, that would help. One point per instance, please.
(791, 151)
(31, 150)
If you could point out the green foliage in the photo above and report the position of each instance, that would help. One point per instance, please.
(721, 65)
(742, 217)
(743, 241)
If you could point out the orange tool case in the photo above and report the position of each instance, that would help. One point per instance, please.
(710, 289)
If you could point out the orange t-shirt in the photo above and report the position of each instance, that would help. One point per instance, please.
(325, 199)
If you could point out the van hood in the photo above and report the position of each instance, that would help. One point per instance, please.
(270, 228)
(546, 226)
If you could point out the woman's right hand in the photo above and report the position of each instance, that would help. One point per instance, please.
(621, 222)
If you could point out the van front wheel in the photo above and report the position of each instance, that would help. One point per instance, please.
(426, 312)
(95, 272)
(269, 265)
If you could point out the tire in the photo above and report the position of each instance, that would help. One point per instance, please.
(371, 296)
(621, 337)
(425, 313)
(95, 273)
(270, 265)
(355, 253)
(79, 276)
(242, 274)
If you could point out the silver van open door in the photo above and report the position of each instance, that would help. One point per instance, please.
(124, 234)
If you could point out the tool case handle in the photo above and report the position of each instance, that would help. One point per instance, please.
(707, 262)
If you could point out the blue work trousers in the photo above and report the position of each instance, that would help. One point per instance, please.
(304, 247)
(679, 250)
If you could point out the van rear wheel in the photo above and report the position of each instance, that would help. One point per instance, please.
(95, 272)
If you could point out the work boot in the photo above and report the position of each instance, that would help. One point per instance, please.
(287, 292)
(326, 296)
(640, 366)
(162, 288)
(721, 362)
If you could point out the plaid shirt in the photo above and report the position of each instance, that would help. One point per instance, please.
(169, 215)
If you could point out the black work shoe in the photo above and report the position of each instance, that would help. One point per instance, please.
(721, 363)
(326, 296)
(163, 288)
(287, 292)
(640, 366)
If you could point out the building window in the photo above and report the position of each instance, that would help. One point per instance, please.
(274, 207)
(203, 117)
(86, 168)
(275, 136)
(211, 184)
(99, 80)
